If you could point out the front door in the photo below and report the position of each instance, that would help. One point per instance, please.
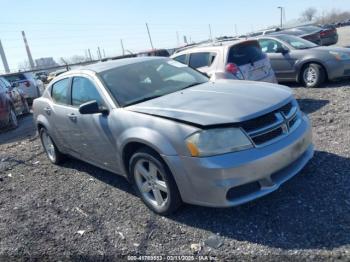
(282, 63)
(96, 140)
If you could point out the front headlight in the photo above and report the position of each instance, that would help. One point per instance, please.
(217, 141)
(340, 55)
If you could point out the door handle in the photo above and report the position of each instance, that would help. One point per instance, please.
(72, 117)
(47, 110)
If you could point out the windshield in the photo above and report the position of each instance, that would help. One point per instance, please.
(297, 42)
(142, 81)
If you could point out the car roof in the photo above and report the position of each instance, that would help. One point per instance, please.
(104, 66)
(212, 45)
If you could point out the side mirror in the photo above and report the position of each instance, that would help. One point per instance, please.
(92, 107)
(282, 50)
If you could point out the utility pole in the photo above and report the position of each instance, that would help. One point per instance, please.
(3, 58)
(236, 31)
(30, 58)
(99, 53)
(149, 35)
(121, 43)
(210, 35)
(177, 38)
(281, 9)
(90, 55)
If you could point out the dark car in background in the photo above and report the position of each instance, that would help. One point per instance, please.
(12, 104)
(310, 33)
(296, 59)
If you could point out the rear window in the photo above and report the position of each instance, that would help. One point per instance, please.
(15, 78)
(60, 91)
(245, 53)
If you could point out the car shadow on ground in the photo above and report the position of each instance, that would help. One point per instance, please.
(311, 211)
(308, 105)
(26, 129)
(104, 176)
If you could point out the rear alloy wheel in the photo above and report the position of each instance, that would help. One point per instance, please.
(313, 75)
(50, 148)
(13, 122)
(154, 183)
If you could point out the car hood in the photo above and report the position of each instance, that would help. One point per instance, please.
(215, 103)
(332, 48)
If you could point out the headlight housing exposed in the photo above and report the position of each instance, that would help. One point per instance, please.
(217, 141)
(340, 55)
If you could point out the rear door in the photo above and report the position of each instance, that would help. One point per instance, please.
(282, 62)
(58, 113)
(252, 62)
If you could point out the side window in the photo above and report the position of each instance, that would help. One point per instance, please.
(59, 91)
(181, 59)
(2, 86)
(269, 45)
(198, 60)
(83, 90)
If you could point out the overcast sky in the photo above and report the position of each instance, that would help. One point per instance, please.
(64, 28)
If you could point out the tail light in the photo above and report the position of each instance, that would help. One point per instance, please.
(232, 68)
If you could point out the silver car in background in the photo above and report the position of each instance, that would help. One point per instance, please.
(298, 60)
(235, 59)
(176, 136)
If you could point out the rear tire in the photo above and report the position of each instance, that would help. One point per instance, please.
(25, 107)
(313, 75)
(13, 122)
(157, 189)
(51, 150)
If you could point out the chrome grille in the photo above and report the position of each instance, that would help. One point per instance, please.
(272, 126)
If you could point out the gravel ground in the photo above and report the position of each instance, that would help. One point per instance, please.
(79, 211)
(344, 36)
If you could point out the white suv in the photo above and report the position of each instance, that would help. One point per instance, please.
(235, 59)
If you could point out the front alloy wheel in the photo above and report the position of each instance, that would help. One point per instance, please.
(313, 75)
(153, 182)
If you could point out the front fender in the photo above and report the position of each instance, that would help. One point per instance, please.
(148, 137)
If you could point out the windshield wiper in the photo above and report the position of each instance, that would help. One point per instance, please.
(190, 85)
(142, 100)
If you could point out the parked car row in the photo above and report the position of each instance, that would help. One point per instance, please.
(320, 35)
(268, 57)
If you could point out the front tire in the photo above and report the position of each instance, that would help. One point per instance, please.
(154, 182)
(313, 75)
(53, 154)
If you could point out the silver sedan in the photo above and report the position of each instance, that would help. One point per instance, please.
(176, 136)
